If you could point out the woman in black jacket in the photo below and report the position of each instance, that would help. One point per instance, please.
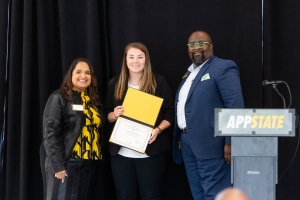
(131, 169)
(71, 128)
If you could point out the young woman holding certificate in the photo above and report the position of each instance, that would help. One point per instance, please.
(132, 170)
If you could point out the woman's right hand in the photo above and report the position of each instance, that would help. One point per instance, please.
(118, 111)
(113, 116)
(61, 175)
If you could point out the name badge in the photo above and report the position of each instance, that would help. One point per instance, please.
(77, 107)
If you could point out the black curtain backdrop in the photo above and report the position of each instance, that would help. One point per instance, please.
(3, 90)
(46, 36)
(281, 62)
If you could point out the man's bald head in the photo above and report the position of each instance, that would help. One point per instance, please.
(232, 194)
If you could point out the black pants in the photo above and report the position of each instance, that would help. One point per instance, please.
(79, 185)
(144, 173)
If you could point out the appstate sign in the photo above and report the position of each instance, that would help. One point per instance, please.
(254, 122)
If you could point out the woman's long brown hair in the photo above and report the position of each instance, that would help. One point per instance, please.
(147, 82)
(67, 87)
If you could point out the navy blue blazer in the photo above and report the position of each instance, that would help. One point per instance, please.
(221, 90)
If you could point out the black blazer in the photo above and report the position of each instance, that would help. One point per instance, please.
(62, 127)
(163, 140)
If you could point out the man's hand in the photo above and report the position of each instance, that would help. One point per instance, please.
(227, 153)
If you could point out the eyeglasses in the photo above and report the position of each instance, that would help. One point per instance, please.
(193, 45)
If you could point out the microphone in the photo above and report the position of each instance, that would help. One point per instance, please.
(266, 82)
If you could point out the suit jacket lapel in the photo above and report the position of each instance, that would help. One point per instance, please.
(198, 77)
(186, 75)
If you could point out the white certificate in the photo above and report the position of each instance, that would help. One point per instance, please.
(131, 134)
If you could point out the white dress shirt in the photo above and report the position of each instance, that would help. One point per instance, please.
(183, 93)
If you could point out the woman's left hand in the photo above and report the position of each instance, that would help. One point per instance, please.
(153, 136)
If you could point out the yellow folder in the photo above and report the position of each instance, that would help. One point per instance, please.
(141, 106)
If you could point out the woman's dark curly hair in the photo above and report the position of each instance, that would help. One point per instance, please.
(67, 87)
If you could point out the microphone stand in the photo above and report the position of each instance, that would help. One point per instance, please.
(275, 88)
(296, 126)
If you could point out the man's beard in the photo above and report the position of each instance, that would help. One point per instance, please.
(198, 61)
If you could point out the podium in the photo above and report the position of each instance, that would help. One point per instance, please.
(254, 146)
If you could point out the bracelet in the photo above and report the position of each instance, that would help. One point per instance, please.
(159, 129)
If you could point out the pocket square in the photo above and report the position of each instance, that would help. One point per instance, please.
(205, 77)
